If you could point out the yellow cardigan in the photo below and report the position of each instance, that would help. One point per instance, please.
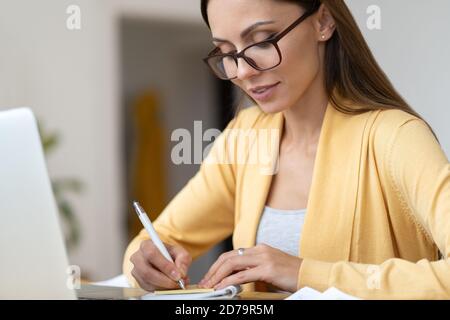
(378, 213)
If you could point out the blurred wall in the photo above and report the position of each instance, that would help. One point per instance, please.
(413, 49)
(71, 80)
(167, 56)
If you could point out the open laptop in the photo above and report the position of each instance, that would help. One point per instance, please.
(33, 259)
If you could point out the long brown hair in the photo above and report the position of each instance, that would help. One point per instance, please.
(354, 81)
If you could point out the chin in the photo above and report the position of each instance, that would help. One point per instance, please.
(272, 107)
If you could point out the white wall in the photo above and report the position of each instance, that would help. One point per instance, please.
(413, 49)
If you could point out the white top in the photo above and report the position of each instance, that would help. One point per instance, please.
(281, 229)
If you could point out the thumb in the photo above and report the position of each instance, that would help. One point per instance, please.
(181, 257)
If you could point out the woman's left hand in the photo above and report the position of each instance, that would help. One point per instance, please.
(259, 263)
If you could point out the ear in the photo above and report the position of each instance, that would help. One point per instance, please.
(324, 24)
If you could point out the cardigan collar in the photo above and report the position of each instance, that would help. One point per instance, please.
(333, 194)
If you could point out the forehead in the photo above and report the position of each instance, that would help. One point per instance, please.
(227, 17)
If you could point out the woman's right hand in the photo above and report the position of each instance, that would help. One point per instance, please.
(153, 271)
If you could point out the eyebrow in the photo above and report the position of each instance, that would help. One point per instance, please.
(248, 30)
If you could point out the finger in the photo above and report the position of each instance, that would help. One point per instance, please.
(149, 276)
(212, 270)
(182, 258)
(154, 257)
(245, 276)
(235, 263)
(142, 283)
(232, 254)
(222, 258)
(158, 279)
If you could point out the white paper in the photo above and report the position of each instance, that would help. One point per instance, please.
(225, 293)
(311, 294)
(119, 281)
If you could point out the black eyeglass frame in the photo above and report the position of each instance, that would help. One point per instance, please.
(274, 41)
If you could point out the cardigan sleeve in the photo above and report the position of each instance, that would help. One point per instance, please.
(202, 213)
(420, 174)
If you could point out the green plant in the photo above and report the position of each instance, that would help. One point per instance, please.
(62, 186)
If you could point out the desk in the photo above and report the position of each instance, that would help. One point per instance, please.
(250, 295)
(88, 292)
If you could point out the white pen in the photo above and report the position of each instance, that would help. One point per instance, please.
(153, 235)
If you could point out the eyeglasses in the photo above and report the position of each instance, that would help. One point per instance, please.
(262, 56)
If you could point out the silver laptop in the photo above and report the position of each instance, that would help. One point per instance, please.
(33, 259)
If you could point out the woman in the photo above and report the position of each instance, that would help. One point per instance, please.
(366, 168)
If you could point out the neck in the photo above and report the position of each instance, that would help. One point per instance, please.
(303, 121)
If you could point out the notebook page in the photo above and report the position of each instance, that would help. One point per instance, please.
(225, 293)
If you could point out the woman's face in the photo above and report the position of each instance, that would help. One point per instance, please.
(300, 66)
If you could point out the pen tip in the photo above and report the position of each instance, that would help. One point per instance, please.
(137, 208)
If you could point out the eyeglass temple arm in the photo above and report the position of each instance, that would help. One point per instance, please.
(298, 21)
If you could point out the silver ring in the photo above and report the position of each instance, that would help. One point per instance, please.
(240, 251)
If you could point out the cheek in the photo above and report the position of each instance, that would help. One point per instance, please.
(301, 64)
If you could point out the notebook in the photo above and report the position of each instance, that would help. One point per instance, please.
(195, 293)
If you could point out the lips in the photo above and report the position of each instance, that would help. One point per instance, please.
(266, 93)
(260, 89)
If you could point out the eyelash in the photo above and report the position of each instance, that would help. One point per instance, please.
(271, 36)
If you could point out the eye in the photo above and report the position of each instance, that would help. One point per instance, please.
(264, 44)
(260, 37)
(225, 51)
(273, 35)
(219, 50)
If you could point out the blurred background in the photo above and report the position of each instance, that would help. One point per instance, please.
(109, 95)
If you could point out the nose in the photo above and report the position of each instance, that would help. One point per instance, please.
(244, 70)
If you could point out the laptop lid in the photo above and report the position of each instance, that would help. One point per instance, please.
(33, 259)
